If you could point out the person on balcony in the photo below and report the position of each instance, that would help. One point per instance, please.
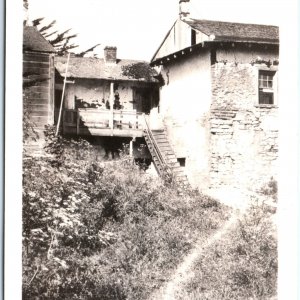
(117, 104)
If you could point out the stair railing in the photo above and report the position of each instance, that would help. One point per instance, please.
(156, 149)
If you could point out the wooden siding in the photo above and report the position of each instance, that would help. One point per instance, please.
(40, 96)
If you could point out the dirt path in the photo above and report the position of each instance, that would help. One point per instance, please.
(184, 271)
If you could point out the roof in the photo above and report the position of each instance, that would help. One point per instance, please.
(34, 41)
(96, 68)
(227, 31)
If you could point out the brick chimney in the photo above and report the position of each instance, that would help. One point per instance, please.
(110, 55)
(184, 9)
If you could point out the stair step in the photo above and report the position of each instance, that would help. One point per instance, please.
(161, 138)
(171, 160)
(177, 169)
(165, 149)
(171, 156)
(163, 143)
(160, 135)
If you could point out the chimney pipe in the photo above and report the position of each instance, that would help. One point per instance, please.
(184, 9)
(110, 55)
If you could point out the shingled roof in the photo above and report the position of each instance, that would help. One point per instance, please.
(96, 68)
(34, 41)
(227, 31)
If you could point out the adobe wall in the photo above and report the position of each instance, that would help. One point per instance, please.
(184, 107)
(97, 92)
(243, 135)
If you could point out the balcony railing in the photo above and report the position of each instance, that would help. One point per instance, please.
(90, 121)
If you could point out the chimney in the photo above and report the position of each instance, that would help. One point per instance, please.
(110, 55)
(184, 9)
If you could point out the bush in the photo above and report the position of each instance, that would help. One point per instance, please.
(270, 189)
(103, 231)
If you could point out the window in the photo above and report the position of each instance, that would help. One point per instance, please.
(266, 87)
(181, 161)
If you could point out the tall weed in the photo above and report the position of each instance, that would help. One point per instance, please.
(103, 230)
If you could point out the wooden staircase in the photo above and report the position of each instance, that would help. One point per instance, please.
(163, 155)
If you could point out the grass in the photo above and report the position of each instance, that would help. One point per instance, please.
(106, 231)
(241, 265)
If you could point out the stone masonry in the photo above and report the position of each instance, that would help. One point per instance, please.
(244, 135)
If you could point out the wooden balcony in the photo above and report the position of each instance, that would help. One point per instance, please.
(99, 122)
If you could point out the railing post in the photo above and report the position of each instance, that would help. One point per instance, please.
(77, 122)
(131, 148)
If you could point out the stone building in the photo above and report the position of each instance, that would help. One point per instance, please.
(219, 100)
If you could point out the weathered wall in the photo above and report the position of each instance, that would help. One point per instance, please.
(246, 55)
(184, 107)
(178, 38)
(97, 92)
(214, 120)
(243, 135)
(38, 95)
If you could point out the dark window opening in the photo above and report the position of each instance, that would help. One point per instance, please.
(266, 87)
(193, 37)
(57, 101)
(181, 161)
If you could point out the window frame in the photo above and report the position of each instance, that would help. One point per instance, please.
(273, 89)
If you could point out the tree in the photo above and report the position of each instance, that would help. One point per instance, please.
(59, 40)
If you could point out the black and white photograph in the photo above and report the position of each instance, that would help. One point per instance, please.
(154, 146)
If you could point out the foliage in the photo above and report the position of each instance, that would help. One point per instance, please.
(270, 189)
(140, 70)
(103, 231)
(29, 132)
(29, 79)
(243, 265)
(59, 40)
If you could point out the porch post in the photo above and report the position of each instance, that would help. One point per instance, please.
(131, 148)
(111, 105)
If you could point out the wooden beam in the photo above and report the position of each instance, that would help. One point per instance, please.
(131, 148)
(111, 104)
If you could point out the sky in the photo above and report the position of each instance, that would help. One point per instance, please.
(137, 27)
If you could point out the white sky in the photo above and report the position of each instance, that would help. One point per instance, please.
(137, 27)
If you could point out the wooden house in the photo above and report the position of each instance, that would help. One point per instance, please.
(105, 97)
(219, 101)
(38, 78)
(106, 100)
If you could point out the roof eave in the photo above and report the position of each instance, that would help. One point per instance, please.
(39, 51)
(208, 44)
(62, 74)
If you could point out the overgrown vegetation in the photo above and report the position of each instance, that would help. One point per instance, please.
(103, 231)
(270, 189)
(140, 70)
(242, 265)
